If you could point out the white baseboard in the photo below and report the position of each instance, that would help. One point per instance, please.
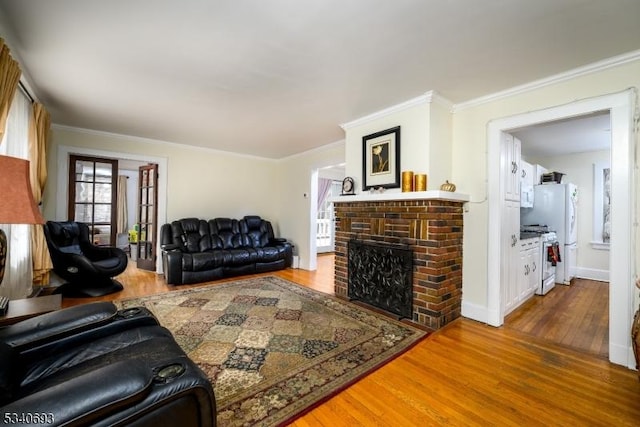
(622, 355)
(592, 274)
(474, 312)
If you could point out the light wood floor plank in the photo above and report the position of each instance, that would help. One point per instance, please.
(471, 374)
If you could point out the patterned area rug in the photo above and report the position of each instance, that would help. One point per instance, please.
(274, 349)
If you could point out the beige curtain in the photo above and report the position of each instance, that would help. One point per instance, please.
(122, 226)
(9, 78)
(39, 126)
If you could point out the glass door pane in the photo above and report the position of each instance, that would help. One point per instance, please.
(147, 195)
(92, 196)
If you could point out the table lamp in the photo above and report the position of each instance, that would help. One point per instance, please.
(16, 200)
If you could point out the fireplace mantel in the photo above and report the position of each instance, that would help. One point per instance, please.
(393, 196)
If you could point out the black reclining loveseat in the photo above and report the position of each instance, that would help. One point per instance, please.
(95, 365)
(195, 250)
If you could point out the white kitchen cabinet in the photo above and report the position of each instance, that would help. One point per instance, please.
(510, 163)
(510, 250)
(527, 179)
(527, 174)
(530, 252)
(528, 273)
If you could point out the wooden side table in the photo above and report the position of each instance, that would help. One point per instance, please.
(21, 309)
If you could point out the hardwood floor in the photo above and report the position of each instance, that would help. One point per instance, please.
(576, 316)
(465, 374)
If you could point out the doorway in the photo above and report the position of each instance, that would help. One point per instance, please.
(325, 223)
(333, 173)
(62, 196)
(621, 255)
(572, 147)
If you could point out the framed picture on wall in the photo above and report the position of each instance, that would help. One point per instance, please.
(381, 159)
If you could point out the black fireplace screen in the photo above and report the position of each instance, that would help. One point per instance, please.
(381, 275)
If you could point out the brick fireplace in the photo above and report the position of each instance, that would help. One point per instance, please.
(430, 224)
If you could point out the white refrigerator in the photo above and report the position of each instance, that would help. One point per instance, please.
(555, 205)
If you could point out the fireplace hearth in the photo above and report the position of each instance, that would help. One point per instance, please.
(381, 275)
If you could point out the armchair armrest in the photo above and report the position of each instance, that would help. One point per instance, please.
(277, 240)
(170, 247)
(78, 401)
(47, 333)
(50, 326)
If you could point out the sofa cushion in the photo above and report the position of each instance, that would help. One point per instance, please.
(191, 234)
(270, 253)
(235, 257)
(226, 232)
(203, 261)
(256, 231)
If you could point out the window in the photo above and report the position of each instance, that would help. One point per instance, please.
(601, 206)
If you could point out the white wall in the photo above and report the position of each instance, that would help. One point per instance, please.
(425, 138)
(209, 183)
(591, 263)
(200, 183)
(297, 186)
(471, 132)
(414, 140)
(470, 154)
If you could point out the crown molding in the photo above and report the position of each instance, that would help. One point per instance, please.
(427, 98)
(319, 149)
(557, 78)
(155, 141)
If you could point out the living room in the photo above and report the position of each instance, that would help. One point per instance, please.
(448, 140)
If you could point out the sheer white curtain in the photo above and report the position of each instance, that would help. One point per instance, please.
(18, 276)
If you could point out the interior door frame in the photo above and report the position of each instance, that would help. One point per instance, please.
(622, 251)
(62, 195)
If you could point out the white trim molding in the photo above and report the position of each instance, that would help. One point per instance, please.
(427, 98)
(592, 274)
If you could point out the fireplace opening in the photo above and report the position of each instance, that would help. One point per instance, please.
(381, 275)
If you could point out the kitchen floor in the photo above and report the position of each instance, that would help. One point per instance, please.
(575, 316)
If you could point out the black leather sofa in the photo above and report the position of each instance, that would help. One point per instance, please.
(195, 250)
(95, 365)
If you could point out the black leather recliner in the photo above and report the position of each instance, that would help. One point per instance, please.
(95, 365)
(88, 269)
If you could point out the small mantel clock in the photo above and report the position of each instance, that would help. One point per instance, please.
(348, 187)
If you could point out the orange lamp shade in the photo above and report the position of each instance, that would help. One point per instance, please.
(17, 205)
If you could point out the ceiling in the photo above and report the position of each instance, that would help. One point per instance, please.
(275, 78)
(576, 135)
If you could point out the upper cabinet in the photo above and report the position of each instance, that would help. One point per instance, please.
(527, 174)
(527, 181)
(511, 150)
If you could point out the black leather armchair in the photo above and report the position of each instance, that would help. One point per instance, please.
(94, 365)
(88, 269)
